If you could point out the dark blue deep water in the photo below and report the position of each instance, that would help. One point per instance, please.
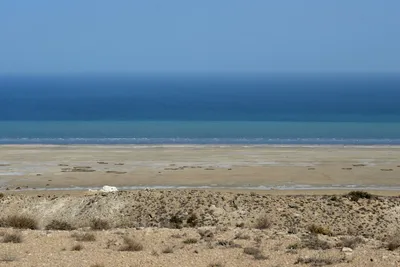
(202, 109)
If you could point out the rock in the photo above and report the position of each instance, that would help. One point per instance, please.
(106, 189)
(347, 250)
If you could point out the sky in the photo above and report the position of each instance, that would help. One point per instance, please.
(208, 36)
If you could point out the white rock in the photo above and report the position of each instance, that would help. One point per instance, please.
(347, 249)
(108, 189)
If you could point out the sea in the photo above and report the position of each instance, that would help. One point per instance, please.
(203, 109)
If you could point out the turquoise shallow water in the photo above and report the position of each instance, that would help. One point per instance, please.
(276, 109)
(198, 132)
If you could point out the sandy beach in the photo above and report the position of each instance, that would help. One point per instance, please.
(231, 167)
(211, 206)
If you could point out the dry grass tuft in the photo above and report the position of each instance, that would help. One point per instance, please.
(77, 247)
(19, 222)
(190, 241)
(255, 252)
(12, 238)
(263, 222)
(85, 237)
(216, 264)
(99, 224)
(192, 220)
(317, 229)
(59, 225)
(313, 242)
(97, 265)
(131, 245)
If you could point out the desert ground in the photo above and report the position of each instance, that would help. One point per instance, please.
(262, 206)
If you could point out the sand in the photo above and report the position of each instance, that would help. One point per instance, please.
(240, 167)
(290, 188)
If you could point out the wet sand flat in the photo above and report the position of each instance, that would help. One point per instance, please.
(39, 166)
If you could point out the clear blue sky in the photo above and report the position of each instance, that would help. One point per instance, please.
(48, 36)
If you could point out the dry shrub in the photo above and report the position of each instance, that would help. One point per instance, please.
(131, 245)
(313, 242)
(77, 247)
(190, 241)
(19, 222)
(350, 242)
(317, 229)
(321, 260)
(99, 224)
(1, 195)
(192, 220)
(356, 195)
(216, 264)
(85, 237)
(168, 250)
(59, 225)
(12, 238)
(263, 222)
(97, 265)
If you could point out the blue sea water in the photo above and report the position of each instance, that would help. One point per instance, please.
(358, 109)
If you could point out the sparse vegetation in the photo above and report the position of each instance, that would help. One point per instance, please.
(356, 195)
(313, 242)
(85, 237)
(19, 222)
(192, 220)
(77, 247)
(12, 238)
(59, 225)
(317, 229)
(350, 242)
(190, 241)
(175, 222)
(99, 224)
(131, 245)
(263, 222)
(320, 260)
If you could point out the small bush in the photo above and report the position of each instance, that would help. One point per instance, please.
(263, 223)
(293, 246)
(316, 229)
(77, 247)
(12, 238)
(59, 225)
(192, 220)
(131, 245)
(351, 242)
(86, 237)
(99, 224)
(168, 250)
(20, 222)
(175, 222)
(356, 195)
(190, 241)
(320, 260)
(313, 242)
(97, 265)
(1, 195)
